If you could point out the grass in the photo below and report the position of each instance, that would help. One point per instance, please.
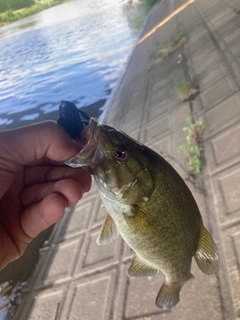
(137, 12)
(164, 50)
(39, 5)
(191, 149)
(186, 91)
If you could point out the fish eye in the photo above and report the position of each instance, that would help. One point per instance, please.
(120, 154)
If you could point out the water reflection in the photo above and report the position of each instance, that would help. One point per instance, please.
(75, 51)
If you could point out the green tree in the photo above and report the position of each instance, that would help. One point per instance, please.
(6, 5)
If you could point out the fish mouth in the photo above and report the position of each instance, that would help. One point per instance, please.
(89, 137)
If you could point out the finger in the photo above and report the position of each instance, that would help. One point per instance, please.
(69, 189)
(35, 175)
(43, 214)
(30, 143)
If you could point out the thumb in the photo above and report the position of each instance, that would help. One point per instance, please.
(24, 145)
(45, 139)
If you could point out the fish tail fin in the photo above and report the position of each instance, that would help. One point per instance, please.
(207, 257)
(169, 294)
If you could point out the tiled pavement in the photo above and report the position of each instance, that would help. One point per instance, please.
(76, 279)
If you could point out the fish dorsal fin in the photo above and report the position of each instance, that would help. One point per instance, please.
(207, 253)
(140, 268)
(108, 231)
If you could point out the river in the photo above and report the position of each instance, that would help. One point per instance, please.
(75, 51)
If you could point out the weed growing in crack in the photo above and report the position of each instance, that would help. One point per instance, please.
(191, 148)
(164, 49)
(186, 91)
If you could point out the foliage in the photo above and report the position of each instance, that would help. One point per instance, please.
(164, 49)
(25, 8)
(6, 5)
(147, 4)
(136, 12)
(191, 149)
(186, 91)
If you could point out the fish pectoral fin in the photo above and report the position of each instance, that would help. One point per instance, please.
(140, 268)
(108, 231)
(207, 257)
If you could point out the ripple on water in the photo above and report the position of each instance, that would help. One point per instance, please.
(72, 51)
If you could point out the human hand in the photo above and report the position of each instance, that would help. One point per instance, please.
(35, 185)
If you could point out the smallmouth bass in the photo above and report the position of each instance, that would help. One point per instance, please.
(150, 206)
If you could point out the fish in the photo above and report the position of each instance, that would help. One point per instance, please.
(150, 206)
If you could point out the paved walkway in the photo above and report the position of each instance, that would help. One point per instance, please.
(76, 279)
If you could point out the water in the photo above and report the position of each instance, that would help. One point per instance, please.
(75, 51)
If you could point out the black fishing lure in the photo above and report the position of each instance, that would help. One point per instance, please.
(72, 119)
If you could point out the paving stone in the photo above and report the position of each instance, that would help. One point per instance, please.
(159, 68)
(132, 114)
(226, 146)
(236, 70)
(138, 91)
(121, 94)
(229, 46)
(189, 20)
(158, 110)
(232, 38)
(201, 39)
(63, 260)
(221, 17)
(101, 213)
(225, 28)
(214, 75)
(157, 86)
(79, 219)
(203, 67)
(97, 254)
(156, 128)
(212, 11)
(227, 188)
(46, 305)
(202, 54)
(231, 240)
(141, 296)
(218, 91)
(234, 4)
(141, 59)
(162, 145)
(159, 96)
(131, 125)
(116, 117)
(127, 252)
(224, 114)
(235, 51)
(90, 298)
